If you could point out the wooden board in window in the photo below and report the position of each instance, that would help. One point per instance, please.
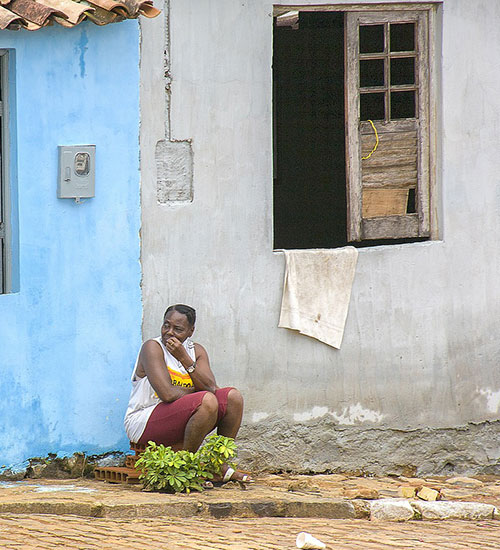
(399, 167)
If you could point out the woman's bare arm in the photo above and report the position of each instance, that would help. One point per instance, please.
(152, 361)
(203, 378)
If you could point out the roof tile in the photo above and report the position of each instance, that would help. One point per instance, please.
(7, 18)
(104, 17)
(72, 11)
(34, 14)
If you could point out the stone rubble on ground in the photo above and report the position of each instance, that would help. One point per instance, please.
(364, 493)
(402, 510)
(464, 482)
(408, 492)
(389, 509)
(454, 510)
(426, 493)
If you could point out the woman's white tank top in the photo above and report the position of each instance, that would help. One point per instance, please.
(143, 398)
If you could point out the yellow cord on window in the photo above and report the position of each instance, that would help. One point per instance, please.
(376, 144)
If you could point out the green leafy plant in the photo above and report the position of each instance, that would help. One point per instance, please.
(218, 450)
(162, 469)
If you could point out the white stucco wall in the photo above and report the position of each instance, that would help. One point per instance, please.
(420, 347)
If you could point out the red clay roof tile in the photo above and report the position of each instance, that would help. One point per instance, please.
(34, 14)
(33, 11)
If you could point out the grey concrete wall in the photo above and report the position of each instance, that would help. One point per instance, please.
(419, 360)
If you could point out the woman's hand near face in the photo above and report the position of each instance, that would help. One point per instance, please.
(174, 331)
(175, 347)
(202, 377)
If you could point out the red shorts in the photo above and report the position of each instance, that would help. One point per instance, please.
(168, 421)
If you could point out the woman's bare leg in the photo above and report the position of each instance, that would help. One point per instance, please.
(201, 423)
(230, 423)
(228, 427)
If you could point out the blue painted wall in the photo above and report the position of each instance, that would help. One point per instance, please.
(69, 337)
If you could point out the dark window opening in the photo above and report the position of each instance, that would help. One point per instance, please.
(402, 71)
(309, 133)
(402, 37)
(402, 105)
(372, 106)
(371, 39)
(411, 206)
(371, 72)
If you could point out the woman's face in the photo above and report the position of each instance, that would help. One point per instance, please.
(176, 325)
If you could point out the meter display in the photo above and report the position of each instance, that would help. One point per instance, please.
(76, 172)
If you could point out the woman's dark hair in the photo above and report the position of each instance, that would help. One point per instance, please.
(188, 311)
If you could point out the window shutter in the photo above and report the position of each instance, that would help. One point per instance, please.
(387, 106)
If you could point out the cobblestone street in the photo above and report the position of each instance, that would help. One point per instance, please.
(72, 532)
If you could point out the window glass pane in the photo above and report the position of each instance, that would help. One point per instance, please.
(403, 71)
(371, 38)
(402, 105)
(372, 106)
(371, 72)
(402, 37)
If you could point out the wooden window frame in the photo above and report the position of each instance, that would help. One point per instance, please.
(423, 223)
(413, 225)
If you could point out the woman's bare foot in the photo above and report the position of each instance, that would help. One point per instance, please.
(230, 474)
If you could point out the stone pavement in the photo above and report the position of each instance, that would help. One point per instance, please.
(320, 496)
(47, 532)
(339, 509)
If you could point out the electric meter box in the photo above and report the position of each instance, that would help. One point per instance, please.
(76, 172)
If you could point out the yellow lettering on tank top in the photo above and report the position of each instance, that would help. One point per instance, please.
(180, 379)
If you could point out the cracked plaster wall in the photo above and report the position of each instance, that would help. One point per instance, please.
(417, 377)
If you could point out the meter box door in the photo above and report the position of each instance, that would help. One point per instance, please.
(76, 172)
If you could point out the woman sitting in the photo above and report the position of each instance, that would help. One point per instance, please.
(175, 400)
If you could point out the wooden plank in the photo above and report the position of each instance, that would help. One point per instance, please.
(387, 149)
(423, 99)
(402, 184)
(393, 176)
(391, 227)
(404, 140)
(281, 9)
(373, 17)
(353, 146)
(392, 127)
(433, 138)
(384, 202)
(375, 171)
(385, 158)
